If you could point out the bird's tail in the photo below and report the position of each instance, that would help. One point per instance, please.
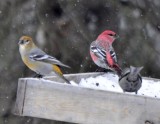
(66, 80)
(60, 74)
(118, 70)
(62, 77)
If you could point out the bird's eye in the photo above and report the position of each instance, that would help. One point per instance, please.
(27, 40)
(110, 34)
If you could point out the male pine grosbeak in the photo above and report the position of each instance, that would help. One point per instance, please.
(102, 52)
(131, 80)
(37, 60)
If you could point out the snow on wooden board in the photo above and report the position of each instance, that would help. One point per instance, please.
(109, 82)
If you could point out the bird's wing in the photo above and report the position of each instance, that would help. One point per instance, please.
(43, 57)
(103, 54)
(125, 72)
(99, 52)
(112, 54)
(112, 60)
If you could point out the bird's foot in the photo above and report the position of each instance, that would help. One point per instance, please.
(136, 92)
(38, 76)
(102, 70)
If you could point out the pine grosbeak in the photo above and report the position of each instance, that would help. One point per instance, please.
(102, 52)
(131, 80)
(37, 60)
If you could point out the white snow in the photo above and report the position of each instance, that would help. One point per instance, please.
(73, 83)
(109, 82)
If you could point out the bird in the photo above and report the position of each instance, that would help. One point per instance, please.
(102, 52)
(131, 80)
(38, 61)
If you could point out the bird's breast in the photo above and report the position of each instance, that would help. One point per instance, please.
(31, 64)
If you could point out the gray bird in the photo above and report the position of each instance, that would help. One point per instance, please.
(131, 80)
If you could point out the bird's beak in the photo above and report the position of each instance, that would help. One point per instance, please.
(116, 36)
(20, 42)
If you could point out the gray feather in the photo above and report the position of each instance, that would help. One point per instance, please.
(39, 55)
(131, 80)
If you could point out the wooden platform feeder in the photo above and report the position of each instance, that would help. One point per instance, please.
(63, 102)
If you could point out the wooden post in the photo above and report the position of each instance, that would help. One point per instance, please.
(57, 101)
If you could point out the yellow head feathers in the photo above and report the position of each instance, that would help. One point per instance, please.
(26, 41)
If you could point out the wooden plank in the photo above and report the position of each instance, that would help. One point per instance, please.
(63, 102)
(18, 109)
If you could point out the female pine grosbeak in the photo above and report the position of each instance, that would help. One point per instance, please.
(131, 80)
(37, 60)
(102, 52)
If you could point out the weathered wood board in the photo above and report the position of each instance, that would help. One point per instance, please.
(57, 101)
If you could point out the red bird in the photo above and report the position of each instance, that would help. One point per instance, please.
(102, 52)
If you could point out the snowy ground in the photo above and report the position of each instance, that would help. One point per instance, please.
(109, 82)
